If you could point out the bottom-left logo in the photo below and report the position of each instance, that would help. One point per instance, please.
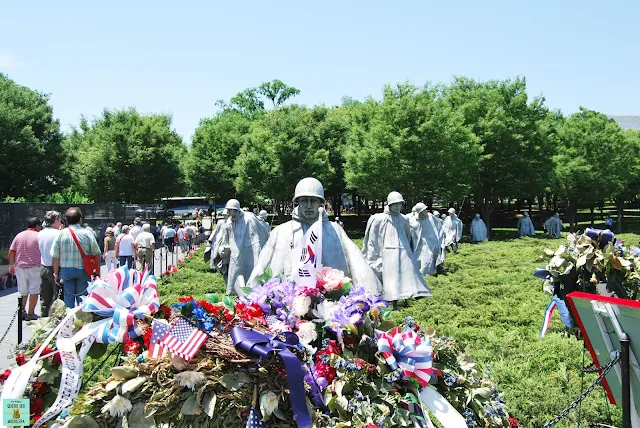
(15, 412)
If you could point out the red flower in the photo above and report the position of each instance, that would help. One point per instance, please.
(36, 406)
(250, 312)
(166, 273)
(21, 359)
(371, 426)
(360, 363)
(513, 423)
(5, 375)
(147, 338)
(35, 419)
(185, 299)
(210, 308)
(131, 346)
(332, 348)
(166, 310)
(174, 270)
(40, 388)
(56, 359)
(325, 371)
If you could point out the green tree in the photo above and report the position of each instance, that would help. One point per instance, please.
(282, 148)
(216, 143)
(516, 137)
(30, 143)
(412, 142)
(126, 156)
(277, 91)
(594, 161)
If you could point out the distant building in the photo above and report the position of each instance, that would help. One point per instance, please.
(627, 122)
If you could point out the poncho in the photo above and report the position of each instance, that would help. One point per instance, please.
(426, 238)
(338, 252)
(245, 237)
(387, 249)
(525, 226)
(452, 227)
(554, 227)
(478, 230)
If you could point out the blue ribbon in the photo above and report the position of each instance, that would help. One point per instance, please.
(602, 237)
(263, 345)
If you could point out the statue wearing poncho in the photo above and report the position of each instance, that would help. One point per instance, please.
(525, 225)
(215, 239)
(425, 235)
(478, 229)
(386, 247)
(554, 226)
(452, 227)
(338, 251)
(243, 236)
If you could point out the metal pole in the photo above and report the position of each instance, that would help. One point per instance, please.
(626, 382)
(19, 320)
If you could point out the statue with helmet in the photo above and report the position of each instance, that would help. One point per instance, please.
(338, 251)
(212, 253)
(452, 227)
(388, 251)
(427, 239)
(263, 216)
(525, 226)
(243, 236)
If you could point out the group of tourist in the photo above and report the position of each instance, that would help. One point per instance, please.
(47, 258)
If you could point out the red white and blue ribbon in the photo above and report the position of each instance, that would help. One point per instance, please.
(556, 302)
(127, 295)
(405, 349)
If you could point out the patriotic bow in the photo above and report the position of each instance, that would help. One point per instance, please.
(406, 350)
(127, 295)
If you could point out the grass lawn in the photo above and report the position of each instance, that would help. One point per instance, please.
(490, 302)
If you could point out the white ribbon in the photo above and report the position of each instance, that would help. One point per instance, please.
(442, 409)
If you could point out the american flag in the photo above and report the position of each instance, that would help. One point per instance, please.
(184, 339)
(255, 419)
(159, 329)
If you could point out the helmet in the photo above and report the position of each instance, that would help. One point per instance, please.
(477, 215)
(309, 187)
(526, 213)
(233, 204)
(420, 207)
(451, 211)
(436, 213)
(394, 197)
(137, 221)
(263, 214)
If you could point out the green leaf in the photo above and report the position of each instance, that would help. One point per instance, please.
(48, 375)
(209, 403)
(212, 298)
(139, 418)
(190, 406)
(411, 398)
(124, 372)
(228, 302)
(133, 384)
(246, 290)
(234, 381)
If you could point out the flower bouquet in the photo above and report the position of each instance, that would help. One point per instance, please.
(327, 355)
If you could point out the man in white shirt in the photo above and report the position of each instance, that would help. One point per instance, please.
(124, 247)
(144, 246)
(48, 287)
(136, 229)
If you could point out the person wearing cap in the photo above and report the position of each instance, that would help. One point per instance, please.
(338, 251)
(478, 229)
(216, 262)
(525, 226)
(554, 226)
(243, 236)
(136, 229)
(144, 245)
(109, 253)
(452, 227)
(425, 235)
(387, 249)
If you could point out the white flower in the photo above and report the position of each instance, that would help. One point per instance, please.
(268, 404)
(301, 305)
(307, 332)
(189, 379)
(324, 311)
(118, 406)
(278, 327)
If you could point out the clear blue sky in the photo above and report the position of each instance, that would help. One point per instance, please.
(180, 57)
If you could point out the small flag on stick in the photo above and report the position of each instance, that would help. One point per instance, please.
(184, 339)
(159, 329)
